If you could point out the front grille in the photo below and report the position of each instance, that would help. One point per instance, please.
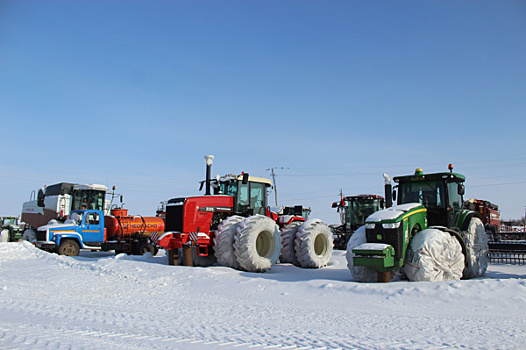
(41, 235)
(393, 237)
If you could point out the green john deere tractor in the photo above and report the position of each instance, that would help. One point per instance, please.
(428, 235)
(353, 212)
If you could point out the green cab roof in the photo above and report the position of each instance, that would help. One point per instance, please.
(419, 175)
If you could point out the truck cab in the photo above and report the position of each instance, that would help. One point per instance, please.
(84, 227)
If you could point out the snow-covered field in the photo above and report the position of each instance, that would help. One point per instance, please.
(99, 301)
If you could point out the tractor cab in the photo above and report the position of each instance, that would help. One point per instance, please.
(249, 192)
(440, 193)
(355, 209)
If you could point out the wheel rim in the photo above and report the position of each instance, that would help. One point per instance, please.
(265, 244)
(320, 245)
(69, 250)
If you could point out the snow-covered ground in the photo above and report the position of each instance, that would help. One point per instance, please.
(102, 301)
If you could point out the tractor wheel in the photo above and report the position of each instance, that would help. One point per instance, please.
(257, 243)
(4, 235)
(69, 247)
(434, 255)
(224, 242)
(30, 235)
(359, 273)
(314, 244)
(476, 241)
(288, 237)
(198, 260)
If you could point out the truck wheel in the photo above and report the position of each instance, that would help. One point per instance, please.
(314, 244)
(30, 235)
(224, 242)
(434, 255)
(257, 243)
(288, 237)
(69, 247)
(145, 247)
(476, 241)
(359, 273)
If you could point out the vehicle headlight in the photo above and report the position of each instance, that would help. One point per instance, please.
(370, 226)
(391, 225)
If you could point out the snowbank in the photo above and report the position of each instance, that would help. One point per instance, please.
(98, 301)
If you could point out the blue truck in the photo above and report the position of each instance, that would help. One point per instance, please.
(91, 229)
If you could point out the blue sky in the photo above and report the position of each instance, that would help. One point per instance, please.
(332, 93)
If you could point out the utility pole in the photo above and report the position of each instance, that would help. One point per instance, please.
(274, 182)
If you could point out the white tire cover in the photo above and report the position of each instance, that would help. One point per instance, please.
(359, 273)
(288, 238)
(257, 243)
(314, 244)
(224, 242)
(434, 255)
(4, 235)
(30, 235)
(476, 241)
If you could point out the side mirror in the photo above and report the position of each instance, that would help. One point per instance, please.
(40, 198)
(394, 195)
(245, 179)
(461, 189)
(334, 205)
(121, 198)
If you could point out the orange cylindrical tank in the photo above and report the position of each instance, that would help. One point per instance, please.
(131, 225)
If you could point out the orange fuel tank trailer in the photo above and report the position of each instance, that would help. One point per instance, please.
(121, 224)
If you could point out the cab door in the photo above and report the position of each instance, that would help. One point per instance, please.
(93, 228)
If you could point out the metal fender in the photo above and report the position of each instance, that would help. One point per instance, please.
(465, 219)
(165, 241)
(58, 237)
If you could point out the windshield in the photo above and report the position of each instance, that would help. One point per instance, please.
(358, 209)
(429, 193)
(10, 221)
(74, 218)
(88, 199)
(249, 198)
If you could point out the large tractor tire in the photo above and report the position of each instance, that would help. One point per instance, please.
(359, 273)
(257, 243)
(476, 241)
(69, 247)
(224, 242)
(314, 244)
(288, 239)
(434, 255)
(4, 235)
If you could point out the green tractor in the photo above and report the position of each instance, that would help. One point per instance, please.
(428, 235)
(11, 229)
(353, 212)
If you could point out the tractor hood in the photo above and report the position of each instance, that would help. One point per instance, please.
(393, 213)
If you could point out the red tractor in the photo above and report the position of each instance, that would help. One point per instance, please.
(488, 211)
(235, 227)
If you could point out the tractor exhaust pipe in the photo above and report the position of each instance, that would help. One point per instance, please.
(209, 161)
(388, 191)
